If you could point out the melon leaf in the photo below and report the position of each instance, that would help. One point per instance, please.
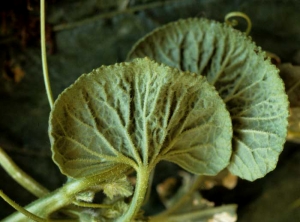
(247, 82)
(137, 114)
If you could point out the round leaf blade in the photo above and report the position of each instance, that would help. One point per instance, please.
(247, 82)
(139, 113)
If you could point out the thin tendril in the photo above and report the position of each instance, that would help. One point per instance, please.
(91, 205)
(274, 58)
(20, 209)
(234, 22)
(44, 55)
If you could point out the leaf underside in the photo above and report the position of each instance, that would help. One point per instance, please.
(247, 82)
(139, 113)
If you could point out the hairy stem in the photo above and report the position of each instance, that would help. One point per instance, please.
(148, 192)
(44, 55)
(143, 173)
(63, 196)
(20, 176)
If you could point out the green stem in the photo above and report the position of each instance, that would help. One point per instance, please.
(139, 194)
(44, 55)
(63, 196)
(148, 192)
(20, 176)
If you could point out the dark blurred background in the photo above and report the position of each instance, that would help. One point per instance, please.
(85, 34)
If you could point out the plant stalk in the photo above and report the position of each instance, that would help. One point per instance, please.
(20, 176)
(63, 196)
(44, 55)
(137, 201)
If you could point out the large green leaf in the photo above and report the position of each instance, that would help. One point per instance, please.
(139, 113)
(248, 83)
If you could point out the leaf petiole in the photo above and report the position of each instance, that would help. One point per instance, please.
(143, 173)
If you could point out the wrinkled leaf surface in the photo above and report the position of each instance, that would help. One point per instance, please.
(139, 113)
(247, 82)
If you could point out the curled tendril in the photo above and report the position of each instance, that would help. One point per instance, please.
(274, 58)
(234, 22)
